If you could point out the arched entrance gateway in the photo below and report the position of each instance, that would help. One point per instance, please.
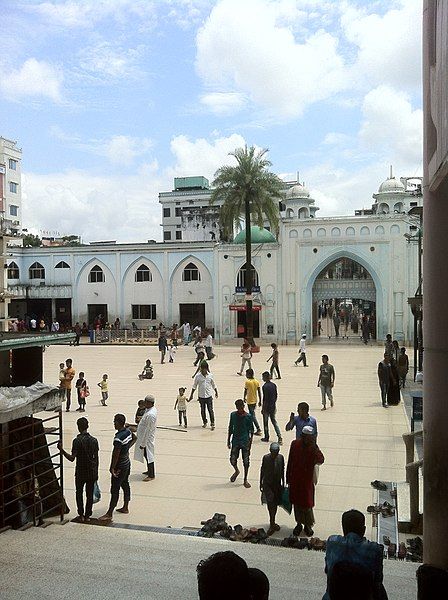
(344, 301)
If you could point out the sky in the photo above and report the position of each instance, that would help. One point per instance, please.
(111, 99)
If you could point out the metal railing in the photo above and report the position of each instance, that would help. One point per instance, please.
(125, 336)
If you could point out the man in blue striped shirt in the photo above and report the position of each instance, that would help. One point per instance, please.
(301, 420)
(120, 467)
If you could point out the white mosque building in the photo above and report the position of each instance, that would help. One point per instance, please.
(370, 258)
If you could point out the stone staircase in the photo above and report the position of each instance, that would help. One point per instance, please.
(83, 561)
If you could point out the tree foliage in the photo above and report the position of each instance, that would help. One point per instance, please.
(249, 180)
(31, 241)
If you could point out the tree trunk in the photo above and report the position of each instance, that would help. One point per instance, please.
(249, 278)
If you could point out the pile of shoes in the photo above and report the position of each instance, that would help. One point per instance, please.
(386, 509)
(218, 525)
(414, 549)
(313, 543)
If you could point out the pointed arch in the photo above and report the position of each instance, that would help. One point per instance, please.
(143, 273)
(37, 271)
(62, 265)
(191, 272)
(241, 277)
(96, 275)
(13, 271)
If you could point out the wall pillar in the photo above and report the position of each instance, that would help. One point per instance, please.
(398, 316)
(291, 334)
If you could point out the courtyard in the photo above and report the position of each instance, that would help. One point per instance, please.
(360, 440)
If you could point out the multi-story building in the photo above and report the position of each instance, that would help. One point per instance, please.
(10, 186)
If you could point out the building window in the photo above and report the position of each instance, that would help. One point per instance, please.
(178, 211)
(13, 187)
(37, 271)
(12, 164)
(62, 265)
(144, 311)
(178, 235)
(167, 236)
(167, 212)
(241, 277)
(96, 275)
(364, 231)
(350, 231)
(13, 271)
(191, 273)
(143, 274)
(13, 210)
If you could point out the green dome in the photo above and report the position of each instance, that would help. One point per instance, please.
(258, 236)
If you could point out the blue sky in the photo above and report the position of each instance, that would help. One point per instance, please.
(110, 99)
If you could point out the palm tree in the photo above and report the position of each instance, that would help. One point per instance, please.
(248, 188)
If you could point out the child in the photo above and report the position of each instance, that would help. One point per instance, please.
(82, 391)
(181, 404)
(274, 358)
(103, 384)
(147, 372)
(140, 411)
(61, 373)
(202, 361)
(172, 353)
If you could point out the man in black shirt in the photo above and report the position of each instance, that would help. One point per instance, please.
(269, 408)
(85, 452)
(120, 467)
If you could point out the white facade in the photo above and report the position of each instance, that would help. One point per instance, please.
(200, 281)
(10, 185)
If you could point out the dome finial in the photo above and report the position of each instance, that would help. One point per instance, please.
(298, 176)
(391, 175)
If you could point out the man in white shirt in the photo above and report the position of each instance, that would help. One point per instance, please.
(55, 326)
(302, 351)
(33, 324)
(209, 346)
(146, 432)
(186, 329)
(205, 386)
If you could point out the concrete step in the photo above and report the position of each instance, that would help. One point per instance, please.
(83, 561)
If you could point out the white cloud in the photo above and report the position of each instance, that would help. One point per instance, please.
(200, 157)
(224, 103)
(243, 48)
(33, 78)
(388, 46)
(391, 127)
(108, 60)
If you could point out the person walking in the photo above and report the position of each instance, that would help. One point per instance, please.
(163, 345)
(104, 387)
(146, 433)
(208, 344)
(389, 346)
(274, 357)
(85, 450)
(336, 323)
(205, 385)
(269, 407)
(251, 392)
(78, 331)
(181, 405)
(365, 330)
(120, 468)
(402, 366)
(66, 383)
(301, 420)
(302, 352)
(246, 356)
(384, 377)
(239, 438)
(272, 482)
(186, 332)
(304, 456)
(326, 381)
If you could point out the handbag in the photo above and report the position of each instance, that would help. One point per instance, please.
(286, 503)
(96, 492)
(85, 392)
(316, 474)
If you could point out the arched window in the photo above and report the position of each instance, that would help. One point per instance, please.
(398, 207)
(307, 233)
(191, 273)
(350, 231)
(321, 232)
(383, 209)
(37, 271)
(335, 232)
(143, 274)
(62, 265)
(289, 213)
(96, 275)
(293, 233)
(241, 277)
(394, 230)
(13, 271)
(379, 230)
(303, 213)
(364, 231)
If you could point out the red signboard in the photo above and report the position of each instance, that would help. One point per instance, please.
(242, 307)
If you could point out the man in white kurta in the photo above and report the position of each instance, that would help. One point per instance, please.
(146, 432)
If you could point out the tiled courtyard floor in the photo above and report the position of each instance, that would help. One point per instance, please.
(360, 440)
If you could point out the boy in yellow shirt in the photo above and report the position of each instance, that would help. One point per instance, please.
(104, 386)
(251, 392)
